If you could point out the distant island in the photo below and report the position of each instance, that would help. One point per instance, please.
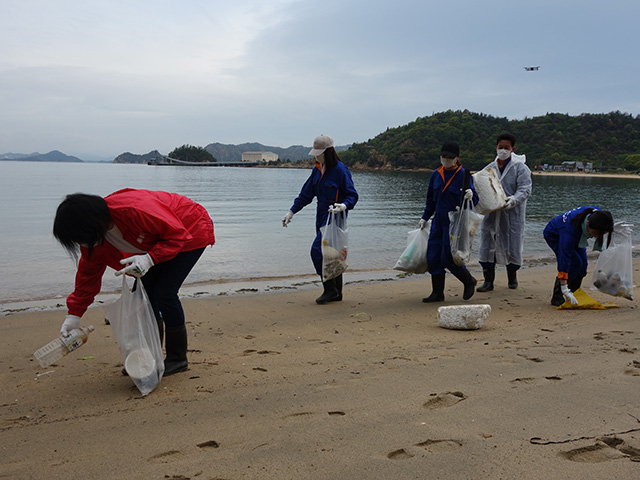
(52, 156)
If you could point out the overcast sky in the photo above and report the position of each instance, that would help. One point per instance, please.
(96, 78)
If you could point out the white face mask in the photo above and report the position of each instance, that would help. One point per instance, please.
(503, 153)
(320, 159)
(447, 162)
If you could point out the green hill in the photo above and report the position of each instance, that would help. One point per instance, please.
(610, 140)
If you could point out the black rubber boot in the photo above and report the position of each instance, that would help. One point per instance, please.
(437, 286)
(575, 284)
(557, 298)
(330, 293)
(176, 347)
(512, 279)
(469, 284)
(489, 277)
(338, 280)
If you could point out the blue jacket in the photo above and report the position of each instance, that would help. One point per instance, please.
(563, 237)
(334, 186)
(441, 199)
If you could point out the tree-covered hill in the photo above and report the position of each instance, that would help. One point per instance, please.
(607, 140)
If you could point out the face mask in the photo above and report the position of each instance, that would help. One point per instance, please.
(320, 159)
(503, 154)
(447, 162)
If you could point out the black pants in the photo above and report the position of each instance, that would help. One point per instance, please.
(162, 283)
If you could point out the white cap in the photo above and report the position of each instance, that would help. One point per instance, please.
(320, 144)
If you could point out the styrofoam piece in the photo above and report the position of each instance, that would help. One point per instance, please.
(140, 363)
(490, 192)
(463, 317)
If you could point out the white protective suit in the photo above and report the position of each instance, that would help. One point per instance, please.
(502, 231)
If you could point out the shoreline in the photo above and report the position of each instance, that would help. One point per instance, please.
(267, 285)
(583, 174)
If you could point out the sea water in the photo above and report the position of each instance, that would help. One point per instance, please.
(247, 206)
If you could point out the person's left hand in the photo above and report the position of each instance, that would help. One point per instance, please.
(136, 265)
(510, 203)
(468, 194)
(337, 208)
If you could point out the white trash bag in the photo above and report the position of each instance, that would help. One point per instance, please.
(136, 330)
(463, 226)
(613, 273)
(414, 257)
(335, 236)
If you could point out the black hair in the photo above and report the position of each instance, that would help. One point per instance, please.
(81, 219)
(599, 220)
(508, 137)
(330, 158)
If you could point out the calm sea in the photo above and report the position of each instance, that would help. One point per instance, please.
(247, 206)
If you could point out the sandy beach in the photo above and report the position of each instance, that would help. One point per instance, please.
(367, 388)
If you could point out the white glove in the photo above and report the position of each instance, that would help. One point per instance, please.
(337, 208)
(510, 203)
(71, 322)
(568, 295)
(623, 228)
(422, 223)
(287, 218)
(468, 194)
(137, 265)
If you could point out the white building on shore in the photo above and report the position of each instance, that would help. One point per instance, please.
(259, 157)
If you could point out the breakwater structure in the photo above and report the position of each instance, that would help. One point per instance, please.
(174, 162)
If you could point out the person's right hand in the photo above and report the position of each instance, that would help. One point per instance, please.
(422, 223)
(71, 322)
(287, 218)
(510, 203)
(568, 295)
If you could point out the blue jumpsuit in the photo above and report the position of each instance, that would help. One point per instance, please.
(333, 186)
(563, 237)
(443, 196)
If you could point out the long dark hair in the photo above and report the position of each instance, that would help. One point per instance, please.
(331, 158)
(81, 219)
(599, 220)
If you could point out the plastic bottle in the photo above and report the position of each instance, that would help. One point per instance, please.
(62, 345)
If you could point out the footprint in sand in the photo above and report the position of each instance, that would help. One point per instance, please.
(600, 452)
(633, 369)
(437, 446)
(401, 454)
(446, 399)
(303, 415)
(431, 446)
(165, 457)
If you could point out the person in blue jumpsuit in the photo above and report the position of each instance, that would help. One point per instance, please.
(567, 236)
(331, 183)
(443, 196)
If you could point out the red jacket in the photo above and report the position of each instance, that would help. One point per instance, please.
(162, 224)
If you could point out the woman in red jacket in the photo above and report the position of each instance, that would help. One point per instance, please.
(157, 236)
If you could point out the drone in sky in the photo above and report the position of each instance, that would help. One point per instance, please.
(532, 69)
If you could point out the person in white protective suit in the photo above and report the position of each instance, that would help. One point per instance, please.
(502, 231)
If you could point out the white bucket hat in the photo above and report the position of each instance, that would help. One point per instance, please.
(320, 144)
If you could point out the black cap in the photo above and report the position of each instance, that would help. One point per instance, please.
(450, 149)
